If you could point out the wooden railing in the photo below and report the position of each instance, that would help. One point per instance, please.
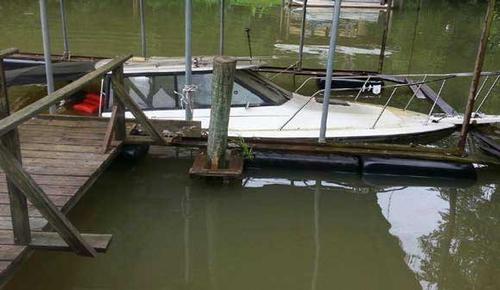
(21, 185)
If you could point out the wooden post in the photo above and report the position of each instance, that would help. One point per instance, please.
(120, 129)
(222, 91)
(488, 19)
(18, 204)
(108, 137)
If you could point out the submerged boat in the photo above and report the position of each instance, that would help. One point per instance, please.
(261, 109)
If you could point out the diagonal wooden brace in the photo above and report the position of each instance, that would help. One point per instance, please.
(22, 180)
(109, 131)
(137, 112)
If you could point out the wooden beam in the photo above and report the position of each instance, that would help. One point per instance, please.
(43, 104)
(52, 241)
(18, 204)
(136, 90)
(109, 131)
(137, 112)
(120, 128)
(7, 52)
(22, 180)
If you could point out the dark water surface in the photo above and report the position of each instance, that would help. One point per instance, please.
(277, 229)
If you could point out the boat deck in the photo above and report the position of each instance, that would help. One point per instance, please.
(366, 4)
(64, 156)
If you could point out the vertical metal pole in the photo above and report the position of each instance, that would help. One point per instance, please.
(249, 40)
(302, 36)
(221, 27)
(67, 53)
(488, 19)
(46, 50)
(143, 28)
(329, 71)
(188, 73)
(385, 35)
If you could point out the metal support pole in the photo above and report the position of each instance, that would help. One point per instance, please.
(221, 27)
(46, 50)
(329, 71)
(302, 36)
(67, 53)
(249, 40)
(188, 74)
(488, 19)
(143, 29)
(385, 36)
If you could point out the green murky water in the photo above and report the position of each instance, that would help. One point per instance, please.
(277, 229)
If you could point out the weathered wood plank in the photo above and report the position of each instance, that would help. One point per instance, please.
(42, 129)
(52, 241)
(55, 180)
(35, 194)
(8, 51)
(62, 171)
(39, 106)
(10, 252)
(63, 140)
(90, 123)
(50, 190)
(36, 224)
(58, 199)
(62, 155)
(61, 148)
(71, 134)
(110, 129)
(6, 237)
(32, 211)
(179, 128)
(120, 127)
(62, 163)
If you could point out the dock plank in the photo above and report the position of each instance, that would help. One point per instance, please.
(63, 155)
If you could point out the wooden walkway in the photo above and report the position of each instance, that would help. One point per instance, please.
(64, 156)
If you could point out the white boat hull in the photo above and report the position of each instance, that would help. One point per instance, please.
(299, 118)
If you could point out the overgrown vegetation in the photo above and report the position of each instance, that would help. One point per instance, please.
(246, 150)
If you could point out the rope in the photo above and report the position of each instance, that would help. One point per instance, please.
(187, 91)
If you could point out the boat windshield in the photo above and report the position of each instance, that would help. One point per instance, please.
(164, 92)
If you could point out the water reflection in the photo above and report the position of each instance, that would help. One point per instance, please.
(276, 229)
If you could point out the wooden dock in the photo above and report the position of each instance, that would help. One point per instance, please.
(64, 156)
(49, 162)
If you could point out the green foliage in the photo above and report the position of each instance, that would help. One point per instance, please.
(464, 251)
(494, 41)
(245, 149)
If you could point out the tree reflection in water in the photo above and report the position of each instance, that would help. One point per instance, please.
(464, 251)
